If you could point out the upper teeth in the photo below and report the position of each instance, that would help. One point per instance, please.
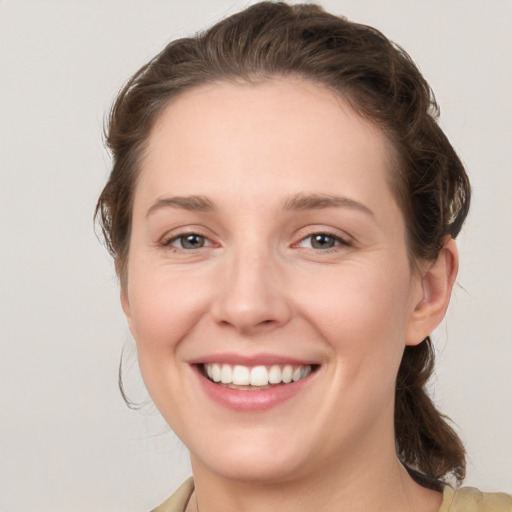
(256, 375)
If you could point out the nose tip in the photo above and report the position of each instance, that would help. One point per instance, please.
(249, 318)
(251, 298)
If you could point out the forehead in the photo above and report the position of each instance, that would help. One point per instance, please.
(241, 136)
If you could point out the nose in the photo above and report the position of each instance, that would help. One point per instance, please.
(251, 296)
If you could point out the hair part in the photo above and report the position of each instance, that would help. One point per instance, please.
(382, 84)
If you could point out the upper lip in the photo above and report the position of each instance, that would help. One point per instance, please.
(250, 360)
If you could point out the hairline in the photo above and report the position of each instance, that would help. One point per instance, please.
(394, 160)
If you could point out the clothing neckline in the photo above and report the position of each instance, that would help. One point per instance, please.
(179, 500)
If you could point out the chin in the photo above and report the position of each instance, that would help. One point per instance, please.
(265, 457)
(255, 469)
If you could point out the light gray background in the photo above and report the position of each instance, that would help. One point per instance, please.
(67, 442)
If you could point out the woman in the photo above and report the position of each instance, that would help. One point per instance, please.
(282, 213)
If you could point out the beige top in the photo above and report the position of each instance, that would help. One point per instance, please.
(465, 499)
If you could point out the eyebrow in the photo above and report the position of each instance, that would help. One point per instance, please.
(297, 202)
(194, 203)
(320, 201)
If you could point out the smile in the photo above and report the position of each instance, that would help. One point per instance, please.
(256, 377)
(257, 385)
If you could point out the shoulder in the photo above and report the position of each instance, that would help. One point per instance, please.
(178, 501)
(469, 499)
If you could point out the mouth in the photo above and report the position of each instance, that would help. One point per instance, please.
(255, 378)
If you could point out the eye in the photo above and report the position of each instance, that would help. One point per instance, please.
(188, 241)
(321, 241)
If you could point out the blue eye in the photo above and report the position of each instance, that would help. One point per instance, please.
(189, 241)
(321, 241)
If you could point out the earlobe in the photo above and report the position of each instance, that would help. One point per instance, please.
(437, 279)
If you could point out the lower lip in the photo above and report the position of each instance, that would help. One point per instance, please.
(243, 400)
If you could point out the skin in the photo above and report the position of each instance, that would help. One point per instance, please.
(259, 286)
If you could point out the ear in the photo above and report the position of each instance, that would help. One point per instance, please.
(436, 283)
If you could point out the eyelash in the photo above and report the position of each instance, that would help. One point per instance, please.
(168, 242)
(337, 240)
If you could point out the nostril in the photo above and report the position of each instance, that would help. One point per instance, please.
(248, 307)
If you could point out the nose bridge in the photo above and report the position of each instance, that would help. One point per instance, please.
(251, 295)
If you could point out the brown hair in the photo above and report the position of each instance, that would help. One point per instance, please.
(382, 84)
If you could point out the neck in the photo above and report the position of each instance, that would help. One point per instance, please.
(382, 485)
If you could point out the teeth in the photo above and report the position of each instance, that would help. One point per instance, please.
(274, 375)
(259, 376)
(226, 374)
(241, 375)
(216, 372)
(287, 374)
(296, 375)
(256, 376)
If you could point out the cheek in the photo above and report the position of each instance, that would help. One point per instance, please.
(164, 306)
(361, 311)
(357, 293)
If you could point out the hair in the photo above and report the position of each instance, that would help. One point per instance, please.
(382, 84)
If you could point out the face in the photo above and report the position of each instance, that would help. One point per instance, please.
(268, 252)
